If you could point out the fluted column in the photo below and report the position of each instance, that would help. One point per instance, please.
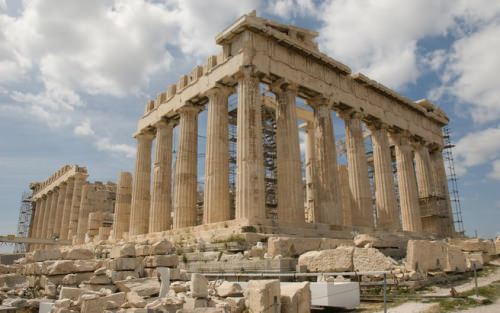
(186, 168)
(63, 234)
(121, 220)
(139, 212)
(345, 193)
(46, 215)
(161, 198)
(60, 208)
(289, 167)
(310, 173)
(441, 183)
(83, 214)
(423, 169)
(35, 217)
(357, 164)
(407, 183)
(328, 205)
(216, 195)
(385, 197)
(250, 188)
(75, 206)
(53, 212)
(39, 221)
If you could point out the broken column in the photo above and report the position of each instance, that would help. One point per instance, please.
(121, 220)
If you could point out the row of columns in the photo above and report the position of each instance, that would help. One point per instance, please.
(151, 209)
(56, 211)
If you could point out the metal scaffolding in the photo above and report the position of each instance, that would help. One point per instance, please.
(24, 221)
(452, 181)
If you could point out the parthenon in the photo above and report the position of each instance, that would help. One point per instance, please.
(274, 68)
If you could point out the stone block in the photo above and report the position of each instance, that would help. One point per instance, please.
(497, 246)
(44, 255)
(192, 303)
(142, 250)
(161, 261)
(123, 264)
(236, 304)
(199, 286)
(123, 251)
(370, 259)
(121, 275)
(144, 287)
(13, 281)
(424, 255)
(455, 260)
(134, 300)
(296, 298)
(75, 278)
(263, 296)
(332, 260)
(474, 258)
(229, 289)
(384, 240)
(100, 280)
(79, 254)
(162, 247)
(70, 293)
(475, 245)
(70, 266)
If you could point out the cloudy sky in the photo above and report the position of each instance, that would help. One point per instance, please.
(75, 75)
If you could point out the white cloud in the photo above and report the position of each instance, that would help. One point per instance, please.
(478, 148)
(105, 144)
(84, 129)
(495, 174)
(292, 8)
(471, 73)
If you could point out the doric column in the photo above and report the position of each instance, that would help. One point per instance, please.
(39, 221)
(186, 168)
(44, 230)
(357, 164)
(161, 199)
(35, 217)
(75, 206)
(216, 196)
(346, 195)
(328, 206)
(60, 208)
(250, 188)
(63, 234)
(83, 214)
(53, 212)
(139, 211)
(310, 173)
(407, 183)
(385, 196)
(121, 220)
(441, 183)
(423, 169)
(289, 167)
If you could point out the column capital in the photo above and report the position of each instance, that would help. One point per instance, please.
(220, 89)
(163, 123)
(319, 101)
(246, 72)
(283, 85)
(145, 134)
(350, 115)
(376, 124)
(189, 108)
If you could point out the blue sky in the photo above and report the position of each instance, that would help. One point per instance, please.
(75, 76)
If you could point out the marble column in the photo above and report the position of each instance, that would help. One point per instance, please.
(53, 213)
(139, 211)
(60, 209)
(423, 169)
(121, 221)
(346, 195)
(35, 217)
(328, 206)
(63, 234)
(83, 214)
(161, 198)
(357, 164)
(185, 192)
(46, 215)
(441, 183)
(407, 183)
(310, 172)
(75, 206)
(385, 196)
(216, 196)
(289, 167)
(250, 186)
